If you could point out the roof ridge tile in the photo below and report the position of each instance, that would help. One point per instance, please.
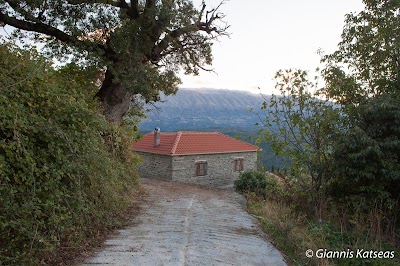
(201, 132)
(178, 137)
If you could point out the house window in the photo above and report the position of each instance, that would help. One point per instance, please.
(201, 168)
(239, 164)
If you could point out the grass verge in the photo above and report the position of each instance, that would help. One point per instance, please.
(294, 233)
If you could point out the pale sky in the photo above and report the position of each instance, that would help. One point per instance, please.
(268, 35)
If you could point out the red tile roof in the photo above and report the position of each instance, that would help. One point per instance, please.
(181, 143)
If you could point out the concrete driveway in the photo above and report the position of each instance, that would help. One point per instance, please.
(182, 224)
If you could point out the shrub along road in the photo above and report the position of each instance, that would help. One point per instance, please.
(182, 224)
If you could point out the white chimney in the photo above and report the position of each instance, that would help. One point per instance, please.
(157, 137)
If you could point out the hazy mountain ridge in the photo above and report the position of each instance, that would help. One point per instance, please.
(225, 111)
(200, 109)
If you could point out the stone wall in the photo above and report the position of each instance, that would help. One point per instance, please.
(220, 167)
(220, 172)
(154, 165)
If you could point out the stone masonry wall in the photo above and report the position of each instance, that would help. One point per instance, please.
(221, 169)
(154, 165)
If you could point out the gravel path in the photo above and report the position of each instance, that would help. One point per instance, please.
(182, 224)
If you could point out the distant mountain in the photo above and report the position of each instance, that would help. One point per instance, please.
(225, 111)
(202, 109)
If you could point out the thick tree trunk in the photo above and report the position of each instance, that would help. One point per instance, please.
(115, 99)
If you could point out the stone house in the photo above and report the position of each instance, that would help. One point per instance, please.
(195, 157)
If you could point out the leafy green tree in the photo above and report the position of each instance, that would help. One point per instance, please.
(363, 75)
(367, 61)
(65, 172)
(140, 45)
(299, 125)
(367, 156)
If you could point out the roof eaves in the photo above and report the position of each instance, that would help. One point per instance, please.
(153, 152)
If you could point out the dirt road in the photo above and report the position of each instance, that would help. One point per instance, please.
(182, 224)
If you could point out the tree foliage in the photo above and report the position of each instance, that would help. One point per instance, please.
(358, 120)
(141, 45)
(346, 146)
(367, 61)
(367, 156)
(64, 170)
(300, 126)
(363, 75)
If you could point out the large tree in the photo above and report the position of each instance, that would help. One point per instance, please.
(367, 62)
(363, 75)
(367, 156)
(140, 44)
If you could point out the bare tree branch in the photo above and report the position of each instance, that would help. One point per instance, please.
(203, 8)
(206, 26)
(210, 17)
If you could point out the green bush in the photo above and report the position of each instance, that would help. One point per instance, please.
(64, 170)
(254, 181)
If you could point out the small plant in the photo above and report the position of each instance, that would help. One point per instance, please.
(254, 181)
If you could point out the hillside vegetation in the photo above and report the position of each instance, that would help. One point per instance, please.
(66, 174)
(341, 193)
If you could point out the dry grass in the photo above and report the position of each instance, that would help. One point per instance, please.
(289, 231)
